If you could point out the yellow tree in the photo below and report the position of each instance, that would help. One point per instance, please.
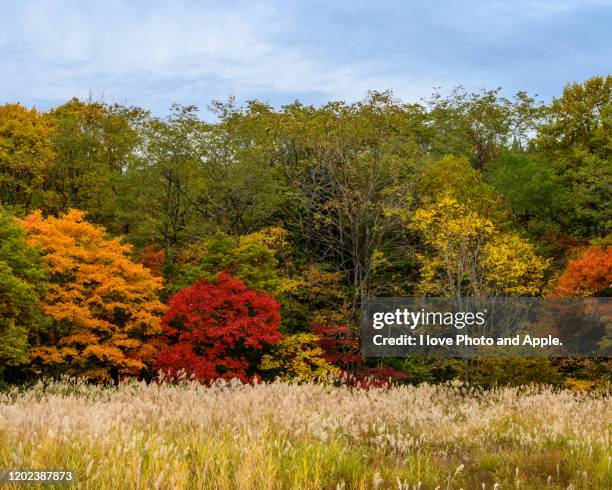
(465, 255)
(25, 153)
(104, 307)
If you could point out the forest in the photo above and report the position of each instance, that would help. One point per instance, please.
(240, 244)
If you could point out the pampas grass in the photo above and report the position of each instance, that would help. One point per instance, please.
(270, 436)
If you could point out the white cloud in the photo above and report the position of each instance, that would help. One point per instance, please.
(53, 51)
(60, 50)
(153, 53)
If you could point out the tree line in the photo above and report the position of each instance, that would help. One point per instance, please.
(114, 221)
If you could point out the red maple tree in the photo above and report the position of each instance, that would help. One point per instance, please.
(217, 330)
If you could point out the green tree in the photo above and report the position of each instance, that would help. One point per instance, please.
(533, 192)
(350, 167)
(165, 180)
(453, 176)
(22, 283)
(92, 143)
(481, 125)
(250, 258)
(577, 135)
(244, 186)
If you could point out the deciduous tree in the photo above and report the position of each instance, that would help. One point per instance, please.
(104, 306)
(93, 144)
(22, 283)
(253, 258)
(165, 179)
(25, 154)
(298, 357)
(577, 136)
(590, 274)
(218, 329)
(350, 166)
(465, 255)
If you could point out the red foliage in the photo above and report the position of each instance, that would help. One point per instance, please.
(340, 348)
(588, 275)
(153, 258)
(343, 350)
(217, 330)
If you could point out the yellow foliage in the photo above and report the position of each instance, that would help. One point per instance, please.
(299, 358)
(454, 176)
(466, 254)
(25, 153)
(273, 237)
(320, 291)
(512, 266)
(574, 384)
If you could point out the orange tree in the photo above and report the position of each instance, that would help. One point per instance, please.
(590, 274)
(104, 307)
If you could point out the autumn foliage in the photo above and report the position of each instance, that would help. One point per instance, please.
(104, 307)
(218, 330)
(298, 357)
(153, 258)
(25, 153)
(340, 347)
(588, 275)
(299, 212)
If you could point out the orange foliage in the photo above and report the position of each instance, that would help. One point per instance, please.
(104, 306)
(153, 258)
(588, 275)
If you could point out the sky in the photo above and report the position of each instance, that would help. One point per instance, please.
(154, 53)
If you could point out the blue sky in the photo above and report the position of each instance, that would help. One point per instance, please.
(153, 53)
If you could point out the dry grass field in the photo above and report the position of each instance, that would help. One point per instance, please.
(307, 436)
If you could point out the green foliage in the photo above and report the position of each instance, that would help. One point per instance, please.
(164, 180)
(480, 125)
(350, 167)
(189, 179)
(92, 144)
(578, 135)
(533, 192)
(454, 177)
(315, 294)
(245, 187)
(22, 282)
(249, 258)
(491, 372)
(429, 370)
(25, 154)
